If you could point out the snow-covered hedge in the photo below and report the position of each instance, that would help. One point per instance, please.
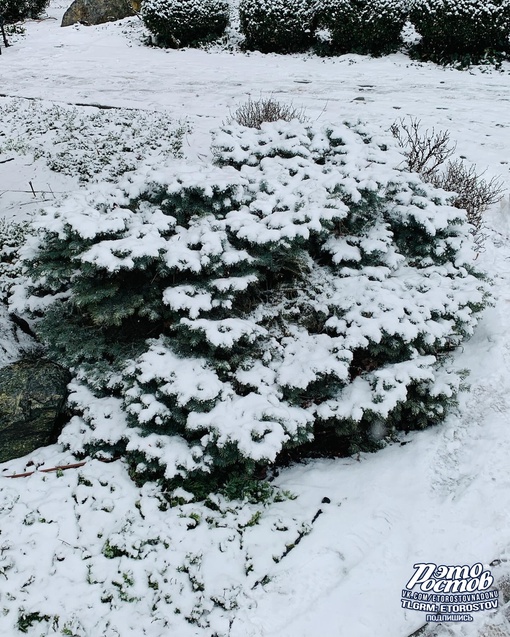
(461, 30)
(359, 26)
(15, 10)
(178, 23)
(215, 316)
(282, 26)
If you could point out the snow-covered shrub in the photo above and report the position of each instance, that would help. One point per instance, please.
(462, 31)
(282, 26)
(254, 113)
(216, 316)
(178, 23)
(359, 26)
(15, 10)
(89, 143)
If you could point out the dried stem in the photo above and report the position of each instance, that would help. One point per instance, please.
(254, 113)
(428, 153)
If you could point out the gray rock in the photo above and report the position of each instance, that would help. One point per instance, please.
(13, 341)
(98, 11)
(32, 397)
(9, 346)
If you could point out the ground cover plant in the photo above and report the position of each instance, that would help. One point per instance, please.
(215, 316)
(160, 556)
(461, 31)
(359, 26)
(178, 23)
(90, 143)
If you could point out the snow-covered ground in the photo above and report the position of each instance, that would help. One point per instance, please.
(93, 555)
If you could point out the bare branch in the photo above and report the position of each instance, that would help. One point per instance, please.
(474, 193)
(428, 153)
(425, 150)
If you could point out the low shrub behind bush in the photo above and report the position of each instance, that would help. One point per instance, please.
(254, 113)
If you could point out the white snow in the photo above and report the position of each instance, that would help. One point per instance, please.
(99, 556)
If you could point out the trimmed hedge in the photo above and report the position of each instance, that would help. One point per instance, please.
(16, 10)
(281, 26)
(178, 23)
(359, 26)
(461, 30)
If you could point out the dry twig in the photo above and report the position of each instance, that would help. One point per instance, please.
(428, 153)
(425, 150)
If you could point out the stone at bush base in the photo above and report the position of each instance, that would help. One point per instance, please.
(32, 395)
(98, 11)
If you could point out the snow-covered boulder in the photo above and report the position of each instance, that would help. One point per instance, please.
(97, 11)
(32, 395)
